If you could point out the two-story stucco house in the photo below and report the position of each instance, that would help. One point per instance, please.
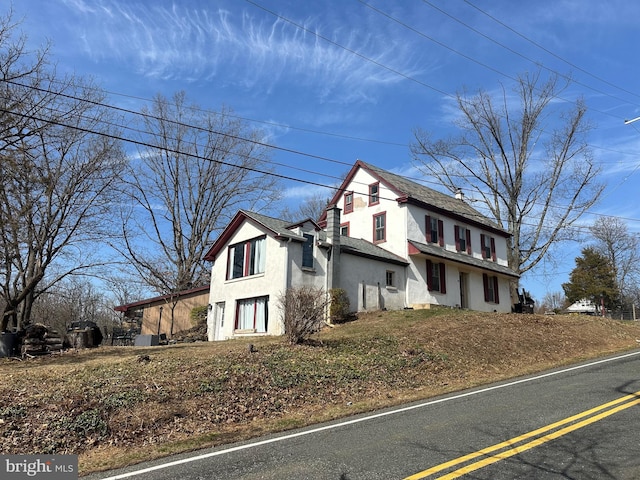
(390, 243)
(257, 258)
(457, 256)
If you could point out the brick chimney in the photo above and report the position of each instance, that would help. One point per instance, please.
(333, 237)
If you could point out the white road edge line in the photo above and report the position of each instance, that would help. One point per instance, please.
(362, 419)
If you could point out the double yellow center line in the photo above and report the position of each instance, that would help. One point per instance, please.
(503, 450)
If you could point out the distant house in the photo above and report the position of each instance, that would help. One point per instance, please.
(168, 314)
(390, 243)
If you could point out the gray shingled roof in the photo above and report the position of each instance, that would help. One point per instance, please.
(354, 246)
(432, 197)
(361, 247)
(280, 227)
(437, 251)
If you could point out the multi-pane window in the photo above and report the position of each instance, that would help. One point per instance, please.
(379, 227)
(463, 239)
(391, 278)
(348, 202)
(307, 251)
(436, 280)
(246, 258)
(253, 314)
(490, 288)
(344, 229)
(435, 230)
(374, 193)
(488, 247)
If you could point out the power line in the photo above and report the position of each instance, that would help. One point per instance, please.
(443, 45)
(354, 52)
(479, 216)
(572, 65)
(146, 144)
(196, 127)
(539, 64)
(131, 112)
(272, 124)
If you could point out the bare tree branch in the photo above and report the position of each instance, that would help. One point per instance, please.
(536, 178)
(186, 187)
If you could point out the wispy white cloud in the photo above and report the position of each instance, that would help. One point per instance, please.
(307, 191)
(180, 41)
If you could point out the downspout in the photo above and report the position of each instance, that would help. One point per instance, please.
(333, 254)
(286, 277)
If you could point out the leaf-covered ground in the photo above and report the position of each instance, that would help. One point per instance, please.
(119, 405)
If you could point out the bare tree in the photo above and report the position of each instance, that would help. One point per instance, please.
(58, 163)
(73, 300)
(18, 64)
(553, 302)
(197, 170)
(304, 311)
(613, 240)
(537, 179)
(312, 207)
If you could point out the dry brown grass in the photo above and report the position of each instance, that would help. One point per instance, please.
(121, 405)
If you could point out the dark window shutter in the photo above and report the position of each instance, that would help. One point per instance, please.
(429, 275)
(493, 249)
(485, 284)
(441, 233)
(427, 220)
(495, 289)
(468, 241)
(443, 283)
(456, 230)
(482, 243)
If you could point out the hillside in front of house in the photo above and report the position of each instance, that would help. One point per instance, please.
(116, 406)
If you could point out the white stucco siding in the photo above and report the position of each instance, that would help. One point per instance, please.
(364, 280)
(502, 246)
(361, 220)
(416, 223)
(418, 295)
(416, 230)
(476, 295)
(269, 284)
(312, 277)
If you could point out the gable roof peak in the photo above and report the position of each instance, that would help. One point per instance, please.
(410, 191)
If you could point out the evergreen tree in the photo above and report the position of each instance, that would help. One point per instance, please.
(593, 279)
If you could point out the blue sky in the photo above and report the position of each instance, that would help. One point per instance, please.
(345, 80)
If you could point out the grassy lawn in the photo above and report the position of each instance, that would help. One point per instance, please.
(116, 406)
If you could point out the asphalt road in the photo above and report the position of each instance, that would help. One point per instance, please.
(579, 422)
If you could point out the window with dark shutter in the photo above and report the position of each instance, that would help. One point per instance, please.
(436, 279)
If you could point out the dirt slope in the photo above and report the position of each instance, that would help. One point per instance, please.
(120, 405)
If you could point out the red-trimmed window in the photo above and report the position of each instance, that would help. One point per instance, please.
(380, 227)
(463, 239)
(374, 193)
(488, 247)
(348, 202)
(436, 278)
(252, 314)
(435, 230)
(490, 284)
(344, 229)
(246, 258)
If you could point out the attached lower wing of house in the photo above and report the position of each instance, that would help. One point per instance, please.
(387, 241)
